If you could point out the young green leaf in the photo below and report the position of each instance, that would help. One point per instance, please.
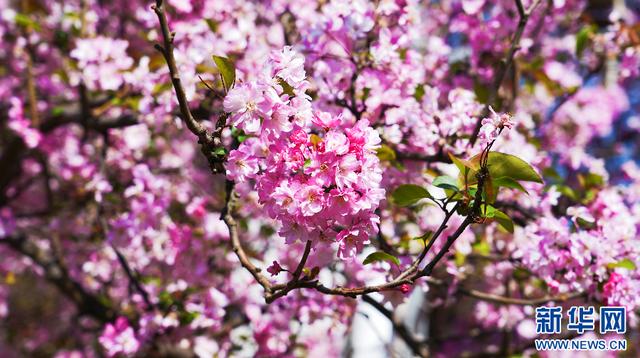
(424, 237)
(505, 165)
(227, 71)
(507, 182)
(504, 220)
(409, 194)
(624, 263)
(488, 211)
(461, 163)
(446, 182)
(381, 256)
(286, 88)
(386, 153)
(582, 39)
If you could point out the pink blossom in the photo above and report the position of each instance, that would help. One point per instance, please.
(119, 338)
(336, 142)
(242, 164)
(311, 200)
(275, 268)
(289, 65)
(248, 106)
(21, 125)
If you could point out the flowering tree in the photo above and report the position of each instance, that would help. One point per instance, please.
(242, 187)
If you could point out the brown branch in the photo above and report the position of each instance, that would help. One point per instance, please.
(303, 261)
(432, 240)
(450, 240)
(55, 273)
(274, 291)
(508, 61)
(133, 277)
(440, 157)
(473, 216)
(504, 300)
(417, 346)
(230, 221)
(167, 51)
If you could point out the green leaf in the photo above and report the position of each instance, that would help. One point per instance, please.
(567, 191)
(409, 194)
(424, 237)
(461, 163)
(488, 211)
(419, 93)
(286, 88)
(624, 263)
(186, 318)
(212, 24)
(25, 21)
(386, 153)
(446, 182)
(227, 71)
(381, 256)
(509, 183)
(504, 220)
(482, 247)
(583, 37)
(585, 224)
(57, 111)
(502, 165)
(482, 92)
(590, 180)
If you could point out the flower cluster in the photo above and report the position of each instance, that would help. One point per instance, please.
(102, 61)
(314, 172)
(105, 194)
(493, 125)
(119, 338)
(21, 125)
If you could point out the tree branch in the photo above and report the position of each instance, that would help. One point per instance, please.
(508, 61)
(167, 51)
(86, 302)
(417, 346)
(503, 300)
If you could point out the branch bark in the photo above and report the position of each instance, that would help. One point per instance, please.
(86, 302)
(508, 62)
(417, 346)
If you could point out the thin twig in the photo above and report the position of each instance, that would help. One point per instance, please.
(167, 51)
(417, 346)
(504, 300)
(303, 261)
(502, 71)
(133, 278)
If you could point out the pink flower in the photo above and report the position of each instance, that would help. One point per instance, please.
(346, 171)
(336, 142)
(472, 7)
(242, 164)
(21, 125)
(350, 242)
(493, 125)
(361, 135)
(311, 200)
(325, 120)
(284, 196)
(275, 268)
(7, 222)
(289, 65)
(248, 106)
(119, 338)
